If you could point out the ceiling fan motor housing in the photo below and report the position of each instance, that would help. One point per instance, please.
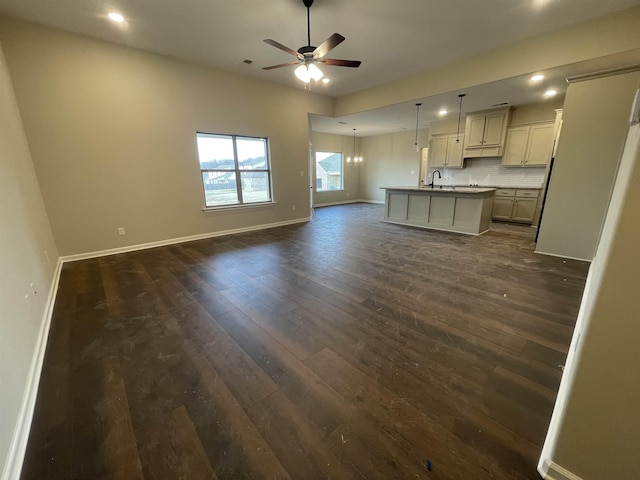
(307, 3)
(307, 49)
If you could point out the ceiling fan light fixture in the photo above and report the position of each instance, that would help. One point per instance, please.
(306, 73)
(116, 17)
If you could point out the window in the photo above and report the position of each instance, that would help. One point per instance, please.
(329, 171)
(235, 170)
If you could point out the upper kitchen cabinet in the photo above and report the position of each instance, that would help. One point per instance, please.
(445, 151)
(485, 134)
(529, 145)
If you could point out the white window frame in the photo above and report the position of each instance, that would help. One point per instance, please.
(237, 171)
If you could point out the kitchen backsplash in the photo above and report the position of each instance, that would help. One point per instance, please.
(489, 172)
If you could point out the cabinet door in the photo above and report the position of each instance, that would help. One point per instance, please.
(438, 151)
(494, 129)
(502, 208)
(540, 145)
(524, 209)
(516, 146)
(474, 131)
(454, 151)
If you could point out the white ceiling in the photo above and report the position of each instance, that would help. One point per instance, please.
(393, 39)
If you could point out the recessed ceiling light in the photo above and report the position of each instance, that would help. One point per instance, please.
(325, 80)
(442, 112)
(550, 93)
(116, 17)
(537, 78)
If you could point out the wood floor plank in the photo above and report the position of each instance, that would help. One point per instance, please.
(243, 436)
(295, 338)
(120, 439)
(424, 437)
(248, 382)
(171, 449)
(296, 442)
(313, 398)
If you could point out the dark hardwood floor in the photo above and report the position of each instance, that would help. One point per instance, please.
(344, 348)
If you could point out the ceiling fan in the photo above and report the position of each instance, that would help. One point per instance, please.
(308, 56)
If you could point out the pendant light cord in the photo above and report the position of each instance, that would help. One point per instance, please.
(459, 117)
(354, 146)
(417, 118)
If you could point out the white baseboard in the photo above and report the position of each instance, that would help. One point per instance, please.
(378, 202)
(563, 256)
(330, 204)
(172, 241)
(552, 471)
(18, 445)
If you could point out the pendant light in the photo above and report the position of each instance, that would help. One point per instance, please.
(461, 96)
(354, 158)
(417, 118)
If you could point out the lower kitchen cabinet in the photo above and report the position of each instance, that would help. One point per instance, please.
(515, 205)
(502, 208)
(524, 209)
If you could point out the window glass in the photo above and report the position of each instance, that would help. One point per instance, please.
(329, 171)
(235, 169)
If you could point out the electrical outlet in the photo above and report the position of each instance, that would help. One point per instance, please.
(121, 231)
(301, 173)
(293, 207)
(27, 301)
(46, 256)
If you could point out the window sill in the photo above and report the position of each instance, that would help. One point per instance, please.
(234, 207)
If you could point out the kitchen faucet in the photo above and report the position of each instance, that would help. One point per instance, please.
(433, 177)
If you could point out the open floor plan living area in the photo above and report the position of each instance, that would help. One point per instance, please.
(308, 239)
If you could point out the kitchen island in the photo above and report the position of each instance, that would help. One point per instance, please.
(453, 209)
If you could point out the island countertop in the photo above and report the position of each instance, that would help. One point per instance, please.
(444, 188)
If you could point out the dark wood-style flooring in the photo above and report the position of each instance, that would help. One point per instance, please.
(345, 348)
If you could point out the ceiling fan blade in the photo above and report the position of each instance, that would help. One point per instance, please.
(340, 63)
(280, 65)
(331, 42)
(282, 47)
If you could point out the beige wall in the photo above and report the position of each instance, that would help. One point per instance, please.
(24, 237)
(112, 136)
(595, 117)
(536, 112)
(595, 429)
(390, 160)
(324, 142)
(450, 125)
(609, 35)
